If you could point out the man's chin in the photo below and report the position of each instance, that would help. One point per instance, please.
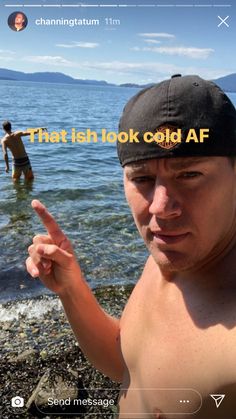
(172, 261)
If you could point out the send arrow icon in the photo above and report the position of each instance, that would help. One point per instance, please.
(218, 398)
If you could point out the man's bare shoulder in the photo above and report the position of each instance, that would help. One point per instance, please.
(146, 286)
(17, 134)
(14, 137)
(5, 142)
(149, 276)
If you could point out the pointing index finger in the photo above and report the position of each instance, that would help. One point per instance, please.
(48, 221)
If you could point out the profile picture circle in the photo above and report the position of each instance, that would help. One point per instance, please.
(17, 21)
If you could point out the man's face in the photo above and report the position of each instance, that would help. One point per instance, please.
(19, 19)
(184, 208)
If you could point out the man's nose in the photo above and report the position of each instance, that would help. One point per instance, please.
(164, 204)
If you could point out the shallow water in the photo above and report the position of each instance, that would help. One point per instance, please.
(81, 184)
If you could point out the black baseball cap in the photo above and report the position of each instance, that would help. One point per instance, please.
(184, 103)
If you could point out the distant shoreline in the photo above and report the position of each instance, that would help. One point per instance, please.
(129, 85)
(226, 83)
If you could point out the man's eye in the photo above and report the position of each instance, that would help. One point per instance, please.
(189, 175)
(143, 179)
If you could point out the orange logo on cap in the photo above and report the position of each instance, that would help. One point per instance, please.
(167, 136)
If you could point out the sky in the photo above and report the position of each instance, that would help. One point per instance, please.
(128, 42)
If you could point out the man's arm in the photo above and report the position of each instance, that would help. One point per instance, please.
(98, 333)
(5, 155)
(32, 130)
(53, 260)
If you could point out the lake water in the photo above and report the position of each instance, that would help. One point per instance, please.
(81, 184)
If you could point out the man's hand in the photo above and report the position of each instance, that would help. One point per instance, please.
(51, 256)
(7, 169)
(30, 131)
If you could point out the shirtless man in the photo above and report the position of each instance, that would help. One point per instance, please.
(13, 141)
(175, 344)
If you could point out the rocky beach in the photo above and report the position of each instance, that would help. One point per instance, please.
(41, 361)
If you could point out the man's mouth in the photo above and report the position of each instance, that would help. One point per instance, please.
(162, 237)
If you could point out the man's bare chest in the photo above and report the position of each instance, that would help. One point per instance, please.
(173, 350)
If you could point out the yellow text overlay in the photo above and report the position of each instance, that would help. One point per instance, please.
(90, 136)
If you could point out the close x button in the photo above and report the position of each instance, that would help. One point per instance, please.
(223, 21)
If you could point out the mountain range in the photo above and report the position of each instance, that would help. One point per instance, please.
(227, 83)
(48, 77)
